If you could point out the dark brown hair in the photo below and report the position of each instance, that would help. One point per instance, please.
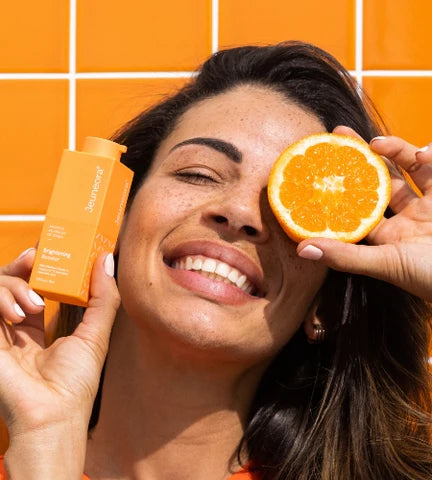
(358, 406)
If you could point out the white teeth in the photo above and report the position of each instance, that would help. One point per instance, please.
(223, 269)
(233, 275)
(197, 264)
(209, 265)
(215, 270)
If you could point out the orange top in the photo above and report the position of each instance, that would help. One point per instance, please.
(243, 474)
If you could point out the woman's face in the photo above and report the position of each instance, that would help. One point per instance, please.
(203, 207)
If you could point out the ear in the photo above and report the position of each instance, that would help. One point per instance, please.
(313, 323)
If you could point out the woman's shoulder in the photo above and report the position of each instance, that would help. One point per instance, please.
(3, 475)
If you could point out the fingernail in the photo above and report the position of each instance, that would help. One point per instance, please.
(25, 252)
(424, 149)
(380, 137)
(311, 252)
(19, 310)
(36, 299)
(109, 265)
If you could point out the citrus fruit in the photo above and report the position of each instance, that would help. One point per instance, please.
(328, 185)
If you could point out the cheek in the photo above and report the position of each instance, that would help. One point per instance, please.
(158, 206)
(300, 283)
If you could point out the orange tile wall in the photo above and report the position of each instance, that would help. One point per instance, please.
(74, 68)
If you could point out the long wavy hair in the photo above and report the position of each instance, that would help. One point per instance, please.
(358, 406)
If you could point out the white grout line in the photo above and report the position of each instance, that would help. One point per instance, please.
(215, 26)
(359, 42)
(22, 218)
(72, 73)
(132, 75)
(95, 75)
(393, 73)
(34, 76)
(397, 73)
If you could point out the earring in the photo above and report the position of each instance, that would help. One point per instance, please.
(319, 334)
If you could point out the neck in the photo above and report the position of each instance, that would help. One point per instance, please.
(166, 413)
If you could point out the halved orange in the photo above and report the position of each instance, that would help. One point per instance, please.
(328, 185)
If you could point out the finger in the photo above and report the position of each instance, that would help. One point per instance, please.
(21, 266)
(344, 130)
(384, 262)
(424, 154)
(374, 261)
(99, 316)
(402, 193)
(406, 156)
(22, 307)
(10, 310)
(15, 295)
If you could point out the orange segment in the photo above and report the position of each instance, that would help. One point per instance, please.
(328, 185)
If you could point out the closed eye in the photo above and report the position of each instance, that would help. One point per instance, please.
(196, 178)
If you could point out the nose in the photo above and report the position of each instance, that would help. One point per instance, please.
(239, 214)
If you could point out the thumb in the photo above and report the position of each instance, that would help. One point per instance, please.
(98, 319)
(21, 266)
(374, 261)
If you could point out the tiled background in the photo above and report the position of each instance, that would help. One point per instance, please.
(83, 67)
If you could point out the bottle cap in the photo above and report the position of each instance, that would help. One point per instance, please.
(103, 147)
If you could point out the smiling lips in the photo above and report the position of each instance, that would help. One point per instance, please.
(215, 270)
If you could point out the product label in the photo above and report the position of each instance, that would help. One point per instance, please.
(122, 205)
(95, 190)
(61, 258)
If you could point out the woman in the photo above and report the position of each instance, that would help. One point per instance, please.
(205, 374)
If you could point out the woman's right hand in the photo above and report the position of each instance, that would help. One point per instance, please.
(46, 394)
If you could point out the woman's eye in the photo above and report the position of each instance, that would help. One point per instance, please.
(197, 178)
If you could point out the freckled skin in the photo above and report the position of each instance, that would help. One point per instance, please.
(168, 210)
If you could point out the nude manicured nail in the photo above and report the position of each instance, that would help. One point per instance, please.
(423, 149)
(380, 137)
(19, 310)
(311, 253)
(36, 299)
(25, 252)
(109, 265)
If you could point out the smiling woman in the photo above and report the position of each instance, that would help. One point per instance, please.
(235, 353)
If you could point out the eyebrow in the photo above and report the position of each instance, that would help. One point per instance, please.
(228, 149)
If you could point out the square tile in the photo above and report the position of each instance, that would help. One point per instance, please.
(33, 134)
(329, 25)
(405, 105)
(141, 36)
(397, 34)
(103, 106)
(15, 237)
(34, 36)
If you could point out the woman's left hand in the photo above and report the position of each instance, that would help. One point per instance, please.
(400, 247)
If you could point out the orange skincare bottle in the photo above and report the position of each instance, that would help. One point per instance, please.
(83, 219)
